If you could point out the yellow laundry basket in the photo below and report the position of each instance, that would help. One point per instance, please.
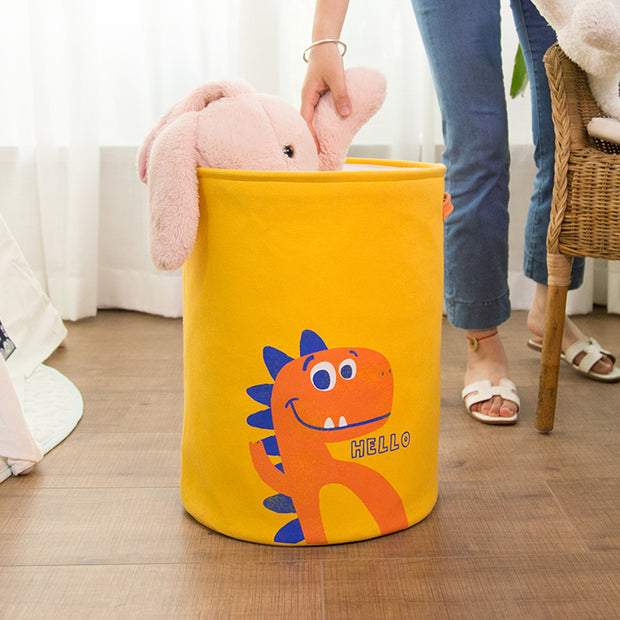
(312, 327)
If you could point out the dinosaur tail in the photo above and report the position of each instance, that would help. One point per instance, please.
(291, 533)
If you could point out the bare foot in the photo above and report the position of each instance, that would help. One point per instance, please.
(536, 324)
(488, 361)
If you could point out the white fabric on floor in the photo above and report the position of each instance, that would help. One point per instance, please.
(52, 408)
(38, 406)
(18, 449)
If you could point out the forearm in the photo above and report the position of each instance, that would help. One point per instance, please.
(325, 66)
(329, 17)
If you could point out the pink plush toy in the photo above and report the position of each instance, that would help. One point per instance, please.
(230, 125)
(589, 33)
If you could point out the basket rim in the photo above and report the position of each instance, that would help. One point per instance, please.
(365, 170)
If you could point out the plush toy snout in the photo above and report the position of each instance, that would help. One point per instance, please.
(229, 125)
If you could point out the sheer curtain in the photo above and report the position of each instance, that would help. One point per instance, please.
(84, 81)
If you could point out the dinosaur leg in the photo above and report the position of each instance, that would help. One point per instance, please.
(376, 493)
(309, 514)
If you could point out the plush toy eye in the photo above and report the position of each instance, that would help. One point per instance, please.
(289, 151)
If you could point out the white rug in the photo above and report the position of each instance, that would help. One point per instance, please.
(52, 407)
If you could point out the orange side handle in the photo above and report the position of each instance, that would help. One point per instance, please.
(446, 206)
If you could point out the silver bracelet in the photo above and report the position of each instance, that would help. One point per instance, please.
(337, 41)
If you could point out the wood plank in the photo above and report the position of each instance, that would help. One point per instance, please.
(201, 590)
(108, 460)
(548, 586)
(593, 506)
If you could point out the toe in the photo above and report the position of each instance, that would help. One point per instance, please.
(485, 407)
(508, 409)
(604, 366)
(495, 405)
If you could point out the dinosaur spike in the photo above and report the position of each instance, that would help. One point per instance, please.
(271, 446)
(261, 419)
(280, 503)
(275, 360)
(261, 393)
(280, 466)
(310, 343)
(291, 533)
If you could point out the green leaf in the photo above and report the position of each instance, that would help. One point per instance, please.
(519, 75)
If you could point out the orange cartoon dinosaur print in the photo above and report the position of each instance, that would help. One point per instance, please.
(324, 396)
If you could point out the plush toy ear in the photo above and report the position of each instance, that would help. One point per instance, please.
(197, 100)
(173, 192)
(334, 133)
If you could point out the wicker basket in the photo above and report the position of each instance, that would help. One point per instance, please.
(585, 217)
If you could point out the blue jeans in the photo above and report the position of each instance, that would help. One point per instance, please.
(462, 40)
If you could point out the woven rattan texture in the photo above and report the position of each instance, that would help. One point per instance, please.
(585, 214)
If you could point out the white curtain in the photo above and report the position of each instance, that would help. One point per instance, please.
(84, 81)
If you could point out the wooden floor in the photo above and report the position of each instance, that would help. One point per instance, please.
(526, 526)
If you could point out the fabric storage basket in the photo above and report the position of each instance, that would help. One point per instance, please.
(312, 327)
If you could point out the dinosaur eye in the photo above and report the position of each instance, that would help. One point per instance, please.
(289, 151)
(323, 376)
(347, 369)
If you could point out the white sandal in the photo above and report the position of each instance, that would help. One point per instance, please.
(594, 352)
(481, 391)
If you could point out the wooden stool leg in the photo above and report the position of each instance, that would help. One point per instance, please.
(550, 359)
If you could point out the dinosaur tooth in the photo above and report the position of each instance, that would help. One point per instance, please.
(329, 423)
(343, 421)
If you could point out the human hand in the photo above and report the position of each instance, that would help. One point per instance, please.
(325, 72)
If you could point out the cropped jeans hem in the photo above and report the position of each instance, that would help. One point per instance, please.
(478, 314)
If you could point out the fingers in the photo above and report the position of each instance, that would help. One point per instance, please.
(325, 72)
(310, 95)
(340, 94)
